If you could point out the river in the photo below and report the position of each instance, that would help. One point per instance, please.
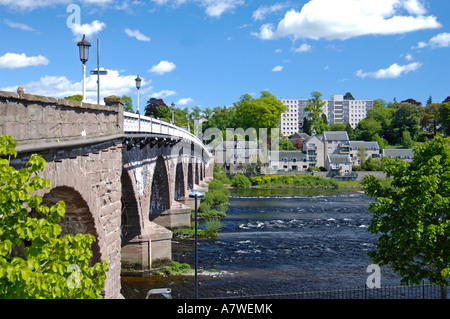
(275, 243)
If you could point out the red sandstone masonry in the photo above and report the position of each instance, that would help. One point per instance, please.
(29, 118)
(82, 145)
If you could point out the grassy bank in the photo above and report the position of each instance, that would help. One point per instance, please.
(295, 181)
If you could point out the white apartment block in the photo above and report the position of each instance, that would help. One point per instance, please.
(336, 109)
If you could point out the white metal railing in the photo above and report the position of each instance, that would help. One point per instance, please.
(133, 123)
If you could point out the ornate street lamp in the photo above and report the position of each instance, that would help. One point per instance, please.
(196, 195)
(84, 56)
(138, 86)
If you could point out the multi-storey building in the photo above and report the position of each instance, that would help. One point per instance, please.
(337, 110)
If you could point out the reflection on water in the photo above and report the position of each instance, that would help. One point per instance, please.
(277, 242)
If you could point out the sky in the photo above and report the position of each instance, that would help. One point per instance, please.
(209, 53)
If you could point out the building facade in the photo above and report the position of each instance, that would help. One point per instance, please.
(337, 109)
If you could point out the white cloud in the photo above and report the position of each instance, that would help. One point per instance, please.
(60, 86)
(303, 48)
(15, 61)
(213, 8)
(184, 101)
(414, 7)
(34, 4)
(161, 94)
(137, 34)
(162, 68)
(16, 25)
(442, 40)
(261, 13)
(409, 57)
(344, 19)
(392, 72)
(278, 68)
(88, 29)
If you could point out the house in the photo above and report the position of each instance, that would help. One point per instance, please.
(235, 154)
(371, 150)
(288, 161)
(405, 154)
(340, 164)
(336, 142)
(298, 139)
(314, 148)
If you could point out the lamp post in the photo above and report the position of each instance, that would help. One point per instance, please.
(138, 86)
(196, 195)
(173, 119)
(84, 56)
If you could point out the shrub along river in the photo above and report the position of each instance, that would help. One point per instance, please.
(277, 242)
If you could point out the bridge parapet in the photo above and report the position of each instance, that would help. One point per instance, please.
(40, 122)
(138, 124)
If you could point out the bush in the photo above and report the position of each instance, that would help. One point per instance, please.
(241, 181)
(174, 269)
(212, 226)
(220, 174)
(296, 180)
(216, 198)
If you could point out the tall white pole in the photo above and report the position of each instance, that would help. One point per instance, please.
(98, 71)
(83, 83)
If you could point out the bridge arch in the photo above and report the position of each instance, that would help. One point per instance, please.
(78, 218)
(160, 196)
(190, 181)
(180, 188)
(130, 219)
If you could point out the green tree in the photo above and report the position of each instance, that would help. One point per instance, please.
(338, 127)
(128, 106)
(241, 181)
(221, 118)
(362, 155)
(264, 112)
(77, 97)
(35, 261)
(407, 117)
(315, 110)
(382, 114)
(445, 118)
(367, 129)
(285, 144)
(412, 215)
(407, 141)
(348, 96)
(432, 117)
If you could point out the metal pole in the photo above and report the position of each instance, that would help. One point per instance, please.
(98, 71)
(196, 252)
(83, 83)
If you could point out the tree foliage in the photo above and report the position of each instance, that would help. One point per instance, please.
(128, 104)
(151, 109)
(35, 261)
(412, 215)
(317, 124)
(264, 112)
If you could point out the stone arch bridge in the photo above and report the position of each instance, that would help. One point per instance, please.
(124, 178)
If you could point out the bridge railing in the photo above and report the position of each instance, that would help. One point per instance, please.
(133, 123)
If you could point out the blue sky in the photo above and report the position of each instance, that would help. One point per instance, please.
(208, 53)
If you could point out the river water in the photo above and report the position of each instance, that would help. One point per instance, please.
(277, 243)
